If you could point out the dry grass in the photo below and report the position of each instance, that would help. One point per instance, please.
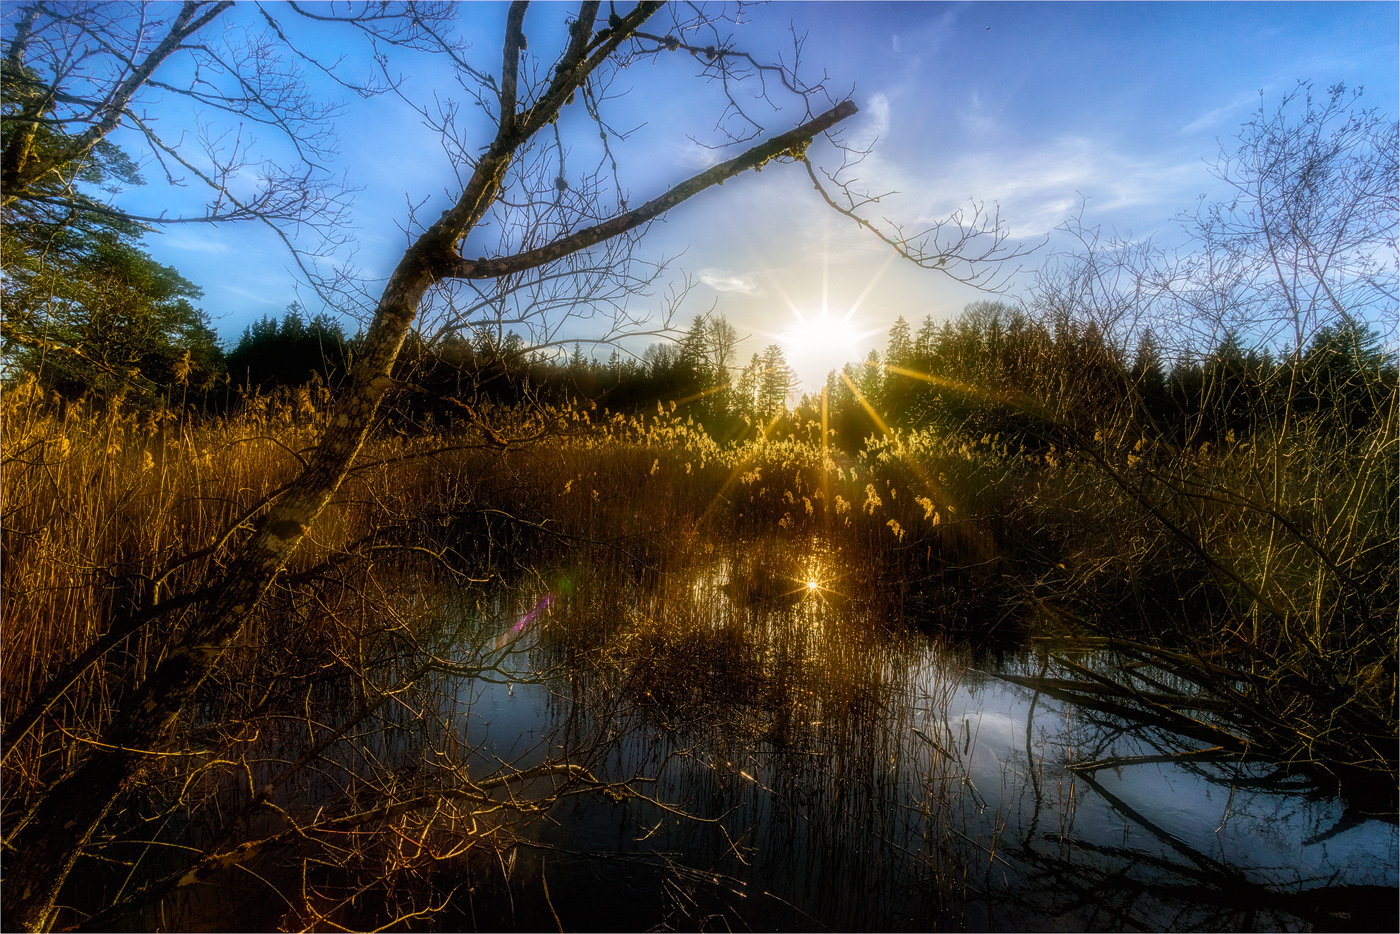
(1266, 568)
(107, 515)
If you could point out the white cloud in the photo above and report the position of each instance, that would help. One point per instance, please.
(879, 111)
(192, 241)
(1036, 187)
(975, 118)
(691, 155)
(872, 123)
(722, 281)
(258, 297)
(1039, 188)
(1219, 115)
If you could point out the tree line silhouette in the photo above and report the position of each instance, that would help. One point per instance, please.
(998, 369)
(995, 369)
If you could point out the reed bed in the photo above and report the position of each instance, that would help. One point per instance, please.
(107, 514)
(1262, 571)
(1259, 574)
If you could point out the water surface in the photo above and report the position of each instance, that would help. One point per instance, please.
(809, 760)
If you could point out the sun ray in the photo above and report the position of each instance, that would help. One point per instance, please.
(1015, 400)
(929, 483)
(865, 404)
(879, 273)
(826, 264)
(705, 392)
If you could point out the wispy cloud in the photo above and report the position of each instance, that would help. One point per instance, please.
(722, 281)
(975, 118)
(691, 155)
(1038, 188)
(1232, 109)
(877, 121)
(193, 241)
(928, 37)
(260, 298)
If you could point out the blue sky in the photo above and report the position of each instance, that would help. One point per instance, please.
(1031, 107)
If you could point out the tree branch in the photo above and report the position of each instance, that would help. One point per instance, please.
(510, 64)
(792, 143)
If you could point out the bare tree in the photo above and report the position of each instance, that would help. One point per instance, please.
(971, 246)
(1307, 232)
(1105, 281)
(556, 230)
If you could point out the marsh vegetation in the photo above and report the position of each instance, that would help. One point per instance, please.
(616, 674)
(1077, 609)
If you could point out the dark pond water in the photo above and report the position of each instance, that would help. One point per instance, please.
(813, 763)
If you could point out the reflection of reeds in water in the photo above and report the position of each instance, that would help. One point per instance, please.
(776, 716)
(1102, 824)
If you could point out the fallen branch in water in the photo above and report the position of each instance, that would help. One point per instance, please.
(1212, 754)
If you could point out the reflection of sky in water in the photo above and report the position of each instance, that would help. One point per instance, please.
(507, 723)
(505, 716)
(845, 827)
(1260, 832)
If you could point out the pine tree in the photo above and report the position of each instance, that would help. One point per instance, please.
(295, 350)
(1148, 375)
(692, 354)
(746, 388)
(926, 344)
(776, 382)
(899, 389)
(900, 351)
(871, 381)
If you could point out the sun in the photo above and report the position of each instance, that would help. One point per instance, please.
(819, 341)
(820, 333)
(817, 344)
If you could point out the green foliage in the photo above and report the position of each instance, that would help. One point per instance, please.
(776, 383)
(53, 209)
(87, 311)
(695, 373)
(1346, 375)
(106, 319)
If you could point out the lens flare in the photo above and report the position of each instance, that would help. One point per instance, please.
(514, 632)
